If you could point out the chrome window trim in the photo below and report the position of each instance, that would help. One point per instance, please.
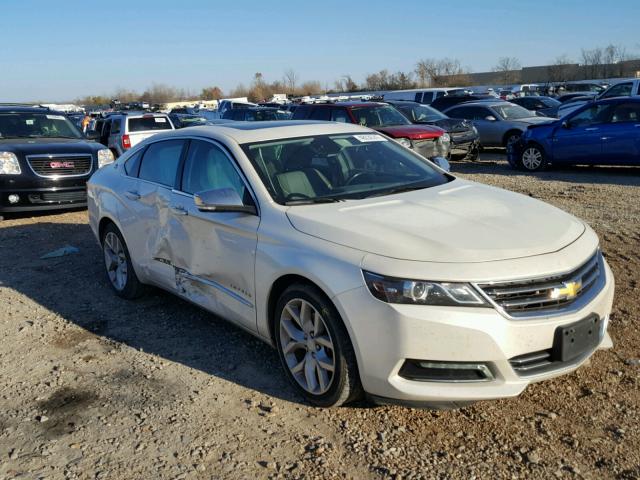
(573, 307)
(61, 155)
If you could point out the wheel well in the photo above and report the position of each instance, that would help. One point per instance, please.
(279, 286)
(102, 225)
(508, 134)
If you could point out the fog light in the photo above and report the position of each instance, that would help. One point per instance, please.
(430, 371)
(13, 198)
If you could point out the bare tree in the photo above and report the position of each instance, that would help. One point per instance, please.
(290, 80)
(561, 69)
(440, 72)
(509, 69)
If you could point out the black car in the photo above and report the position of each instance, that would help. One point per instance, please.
(255, 114)
(567, 97)
(182, 120)
(464, 136)
(547, 106)
(45, 161)
(449, 101)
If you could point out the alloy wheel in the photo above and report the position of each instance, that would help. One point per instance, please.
(307, 346)
(115, 260)
(532, 158)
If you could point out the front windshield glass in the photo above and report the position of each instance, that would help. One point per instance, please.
(36, 125)
(550, 102)
(512, 112)
(382, 116)
(192, 120)
(325, 168)
(422, 113)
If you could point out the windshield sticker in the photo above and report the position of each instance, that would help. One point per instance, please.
(370, 138)
(55, 117)
(30, 121)
(160, 120)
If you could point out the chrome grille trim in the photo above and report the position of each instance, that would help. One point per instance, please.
(533, 297)
(87, 157)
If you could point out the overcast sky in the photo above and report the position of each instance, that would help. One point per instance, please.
(63, 50)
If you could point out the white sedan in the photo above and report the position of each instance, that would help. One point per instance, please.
(368, 268)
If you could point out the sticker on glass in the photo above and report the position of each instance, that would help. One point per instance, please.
(160, 120)
(370, 137)
(55, 117)
(30, 121)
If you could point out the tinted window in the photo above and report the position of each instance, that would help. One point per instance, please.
(619, 90)
(132, 165)
(321, 113)
(141, 124)
(208, 168)
(115, 125)
(462, 112)
(36, 125)
(593, 114)
(301, 112)
(340, 115)
(160, 162)
(379, 116)
(626, 112)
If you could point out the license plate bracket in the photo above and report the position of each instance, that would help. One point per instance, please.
(573, 340)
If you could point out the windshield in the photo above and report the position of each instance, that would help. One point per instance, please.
(192, 120)
(512, 112)
(549, 102)
(382, 116)
(36, 125)
(335, 167)
(422, 113)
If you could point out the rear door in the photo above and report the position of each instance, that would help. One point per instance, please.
(620, 135)
(214, 252)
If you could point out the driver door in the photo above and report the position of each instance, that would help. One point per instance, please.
(213, 253)
(579, 139)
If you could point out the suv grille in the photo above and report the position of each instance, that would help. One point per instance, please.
(544, 295)
(65, 165)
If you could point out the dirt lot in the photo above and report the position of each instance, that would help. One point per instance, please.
(92, 386)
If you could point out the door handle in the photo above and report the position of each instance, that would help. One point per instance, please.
(604, 138)
(132, 195)
(179, 210)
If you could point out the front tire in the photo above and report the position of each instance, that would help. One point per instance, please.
(533, 158)
(117, 260)
(511, 139)
(314, 347)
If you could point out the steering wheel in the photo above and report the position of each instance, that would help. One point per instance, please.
(296, 196)
(356, 176)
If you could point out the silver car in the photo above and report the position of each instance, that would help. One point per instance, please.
(499, 123)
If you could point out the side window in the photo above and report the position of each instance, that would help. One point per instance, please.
(115, 126)
(250, 116)
(208, 168)
(339, 115)
(439, 94)
(132, 165)
(626, 112)
(592, 115)
(321, 113)
(461, 112)
(419, 96)
(619, 90)
(160, 162)
(479, 113)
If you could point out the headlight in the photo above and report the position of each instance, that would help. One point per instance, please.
(418, 292)
(475, 130)
(9, 164)
(105, 157)
(445, 138)
(405, 142)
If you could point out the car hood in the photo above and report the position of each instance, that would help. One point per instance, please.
(452, 125)
(43, 146)
(458, 222)
(415, 132)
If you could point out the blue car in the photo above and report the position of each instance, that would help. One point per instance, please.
(605, 132)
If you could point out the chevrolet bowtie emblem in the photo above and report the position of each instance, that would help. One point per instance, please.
(569, 290)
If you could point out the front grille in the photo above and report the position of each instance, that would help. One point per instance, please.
(58, 197)
(64, 165)
(426, 148)
(543, 295)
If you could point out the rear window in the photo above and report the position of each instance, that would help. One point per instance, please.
(141, 124)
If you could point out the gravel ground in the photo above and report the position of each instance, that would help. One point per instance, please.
(92, 386)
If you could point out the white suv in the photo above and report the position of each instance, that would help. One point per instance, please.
(366, 266)
(122, 131)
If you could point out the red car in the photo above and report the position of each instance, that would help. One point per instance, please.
(427, 140)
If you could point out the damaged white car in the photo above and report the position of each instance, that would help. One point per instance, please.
(370, 270)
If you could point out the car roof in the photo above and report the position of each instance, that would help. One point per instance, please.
(481, 103)
(25, 109)
(350, 104)
(247, 132)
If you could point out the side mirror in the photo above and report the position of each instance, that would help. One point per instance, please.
(92, 135)
(565, 124)
(442, 162)
(490, 118)
(222, 200)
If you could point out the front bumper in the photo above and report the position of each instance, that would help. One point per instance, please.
(42, 198)
(386, 335)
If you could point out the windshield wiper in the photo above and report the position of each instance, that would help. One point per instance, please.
(391, 191)
(310, 201)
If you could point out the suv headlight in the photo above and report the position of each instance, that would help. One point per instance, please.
(418, 292)
(445, 138)
(405, 142)
(9, 164)
(105, 157)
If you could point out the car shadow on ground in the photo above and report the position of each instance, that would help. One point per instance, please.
(602, 175)
(76, 288)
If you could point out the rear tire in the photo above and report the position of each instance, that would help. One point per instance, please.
(119, 270)
(533, 159)
(473, 154)
(314, 347)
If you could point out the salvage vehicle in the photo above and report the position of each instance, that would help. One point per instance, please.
(605, 132)
(45, 161)
(182, 120)
(422, 95)
(432, 142)
(464, 136)
(367, 268)
(499, 123)
(122, 130)
(541, 105)
(256, 114)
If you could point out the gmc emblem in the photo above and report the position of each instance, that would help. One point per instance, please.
(62, 164)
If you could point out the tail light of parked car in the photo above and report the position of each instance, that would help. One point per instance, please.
(126, 142)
